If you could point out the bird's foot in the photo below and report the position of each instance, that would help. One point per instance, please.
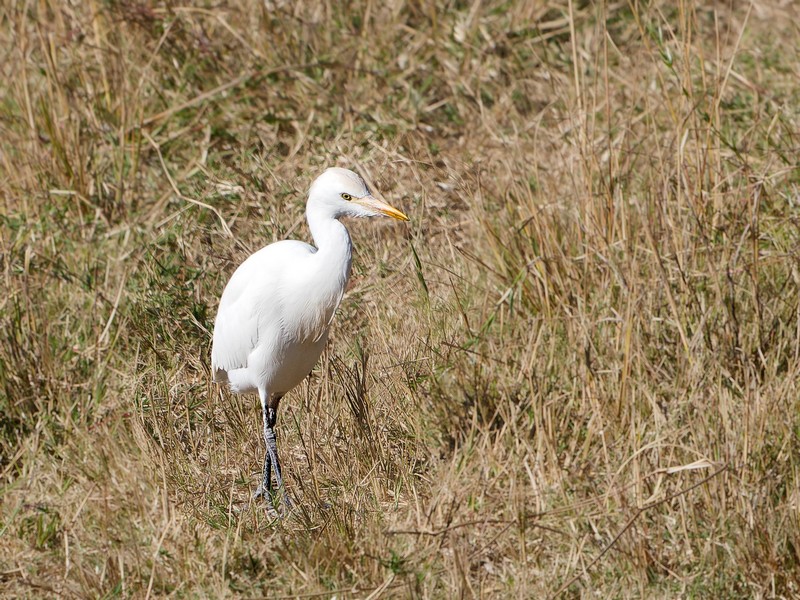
(262, 491)
(270, 496)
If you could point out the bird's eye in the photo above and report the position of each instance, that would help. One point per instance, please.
(347, 197)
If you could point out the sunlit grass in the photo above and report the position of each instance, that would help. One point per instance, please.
(572, 373)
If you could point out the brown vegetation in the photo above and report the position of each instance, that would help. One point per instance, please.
(574, 373)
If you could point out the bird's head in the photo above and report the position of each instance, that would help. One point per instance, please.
(342, 193)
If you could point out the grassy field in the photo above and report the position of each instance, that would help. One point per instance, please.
(575, 372)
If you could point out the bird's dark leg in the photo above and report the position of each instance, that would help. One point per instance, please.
(265, 487)
(272, 448)
(269, 413)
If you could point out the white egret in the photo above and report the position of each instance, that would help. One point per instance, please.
(273, 317)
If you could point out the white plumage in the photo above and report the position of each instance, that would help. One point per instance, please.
(273, 317)
(273, 321)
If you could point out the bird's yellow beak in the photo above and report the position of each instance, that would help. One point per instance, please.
(373, 203)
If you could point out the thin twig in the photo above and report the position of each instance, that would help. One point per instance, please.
(630, 523)
(178, 193)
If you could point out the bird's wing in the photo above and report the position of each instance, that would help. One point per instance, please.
(235, 336)
(250, 303)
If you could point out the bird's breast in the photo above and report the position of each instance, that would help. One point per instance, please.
(310, 303)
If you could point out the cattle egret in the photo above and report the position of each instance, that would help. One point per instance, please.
(274, 314)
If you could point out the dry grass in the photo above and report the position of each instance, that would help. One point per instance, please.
(575, 373)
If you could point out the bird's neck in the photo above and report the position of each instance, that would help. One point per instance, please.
(334, 249)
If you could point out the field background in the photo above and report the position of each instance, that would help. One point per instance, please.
(573, 374)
